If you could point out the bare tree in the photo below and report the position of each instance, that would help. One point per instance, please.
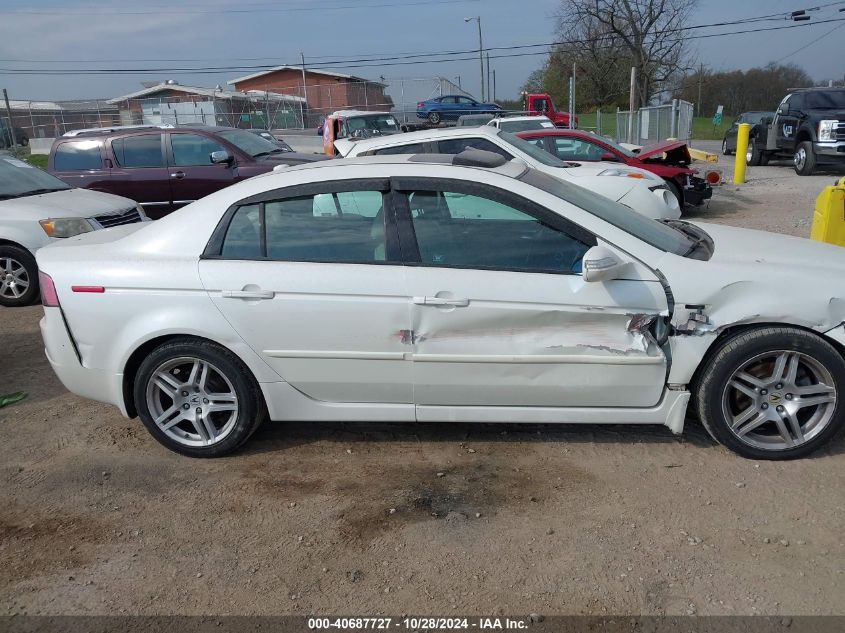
(646, 34)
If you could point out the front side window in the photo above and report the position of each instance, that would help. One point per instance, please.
(78, 156)
(193, 149)
(457, 145)
(138, 151)
(456, 229)
(343, 227)
(569, 148)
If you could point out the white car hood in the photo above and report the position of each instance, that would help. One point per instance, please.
(72, 203)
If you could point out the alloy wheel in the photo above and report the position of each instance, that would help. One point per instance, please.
(14, 280)
(800, 158)
(779, 400)
(192, 401)
(749, 154)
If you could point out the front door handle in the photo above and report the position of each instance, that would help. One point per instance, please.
(178, 175)
(440, 301)
(248, 294)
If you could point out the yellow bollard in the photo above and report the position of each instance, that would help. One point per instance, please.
(829, 216)
(741, 149)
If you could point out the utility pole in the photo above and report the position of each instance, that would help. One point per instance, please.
(489, 82)
(572, 98)
(631, 102)
(304, 103)
(12, 140)
(480, 52)
(494, 85)
(698, 103)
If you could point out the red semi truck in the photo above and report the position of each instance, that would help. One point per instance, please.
(542, 104)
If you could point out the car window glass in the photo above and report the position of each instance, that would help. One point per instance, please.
(243, 237)
(465, 100)
(447, 100)
(568, 148)
(193, 149)
(138, 151)
(77, 155)
(342, 227)
(455, 229)
(412, 148)
(457, 145)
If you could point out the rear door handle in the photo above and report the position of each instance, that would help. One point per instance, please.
(440, 301)
(248, 294)
(178, 175)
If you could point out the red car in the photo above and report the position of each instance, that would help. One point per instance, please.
(670, 159)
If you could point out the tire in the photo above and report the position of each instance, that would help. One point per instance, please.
(753, 155)
(804, 159)
(24, 141)
(748, 382)
(434, 117)
(196, 369)
(677, 192)
(725, 150)
(18, 276)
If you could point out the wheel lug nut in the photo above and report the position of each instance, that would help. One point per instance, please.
(205, 400)
(789, 396)
(184, 394)
(199, 410)
(186, 406)
(764, 391)
(779, 386)
(780, 408)
(764, 406)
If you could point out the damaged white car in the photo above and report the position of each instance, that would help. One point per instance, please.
(445, 288)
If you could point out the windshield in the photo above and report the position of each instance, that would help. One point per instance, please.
(18, 178)
(540, 155)
(384, 123)
(825, 100)
(523, 126)
(651, 232)
(622, 150)
(248, 142)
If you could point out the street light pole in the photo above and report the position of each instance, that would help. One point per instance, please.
(480, 52)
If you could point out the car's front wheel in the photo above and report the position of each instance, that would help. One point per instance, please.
(18, 276)
(805, 159)
(772, 393)
(197, 398)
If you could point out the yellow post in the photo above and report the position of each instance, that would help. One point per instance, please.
(741, 149)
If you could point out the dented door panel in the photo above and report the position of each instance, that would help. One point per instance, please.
(532, 339)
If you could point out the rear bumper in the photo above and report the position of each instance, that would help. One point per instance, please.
(96, 384)
(697, 191)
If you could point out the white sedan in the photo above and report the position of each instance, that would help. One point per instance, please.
(636, 188)
(445, 288)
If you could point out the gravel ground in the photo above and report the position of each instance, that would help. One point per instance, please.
(96, 518)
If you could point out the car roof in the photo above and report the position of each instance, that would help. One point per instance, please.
(557, 132)
(349, 113)
(140, 129)
(422, 135)
(522, 117)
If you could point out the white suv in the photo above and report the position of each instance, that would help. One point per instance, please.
(37, 209)
(636, 188)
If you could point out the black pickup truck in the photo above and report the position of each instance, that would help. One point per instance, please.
(808, 127)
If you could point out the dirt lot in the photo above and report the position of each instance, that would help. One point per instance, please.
(97, 518)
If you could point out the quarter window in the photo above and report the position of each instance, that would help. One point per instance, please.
(454, 229)
(78, 156)
(328, 227)
(193, 149)
(138, 151)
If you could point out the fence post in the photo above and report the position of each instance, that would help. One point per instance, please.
(673, 132)
(12, 140)
(32, 121)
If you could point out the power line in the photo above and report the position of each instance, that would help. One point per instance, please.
(810, 43)
(384, 61)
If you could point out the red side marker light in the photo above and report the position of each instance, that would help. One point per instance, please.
(95, 289)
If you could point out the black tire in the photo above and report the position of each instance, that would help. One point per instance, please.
(807, 164)
(754, 154)
(677, 192)
(434, 117)
(19, 257)
(732, 354)
(251, 410)
(24, 141)
(725, 150)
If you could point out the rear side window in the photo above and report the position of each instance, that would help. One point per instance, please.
(413, 148)
(138, 151)
(77, 156)
(457, 145)
(344, 227)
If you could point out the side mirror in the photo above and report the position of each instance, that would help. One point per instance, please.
(221, 156)
(610, 157)
(601, 264)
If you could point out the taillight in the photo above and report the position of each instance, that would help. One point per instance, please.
(421, 104)
(49, 298)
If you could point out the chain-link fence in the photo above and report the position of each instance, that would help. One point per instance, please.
(655, 123)
(290, 107)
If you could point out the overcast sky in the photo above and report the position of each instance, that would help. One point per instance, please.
(274, 32)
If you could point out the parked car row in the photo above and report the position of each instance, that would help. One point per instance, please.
(449, 286)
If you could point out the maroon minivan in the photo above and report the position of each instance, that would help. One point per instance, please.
(165, 168)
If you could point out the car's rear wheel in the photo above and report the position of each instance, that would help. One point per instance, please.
(434, 117)
(197, 398)
(771, 393)
(805, 159)
(725, 149)
(18, 276)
